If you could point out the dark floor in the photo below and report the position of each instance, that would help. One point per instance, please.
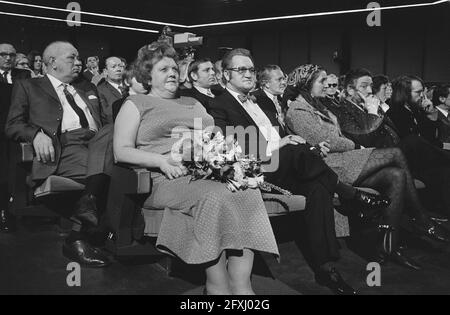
(31, 263)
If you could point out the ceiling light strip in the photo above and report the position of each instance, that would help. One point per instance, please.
(229, 22)
(85, 23)
(91, 13)
(318, 14)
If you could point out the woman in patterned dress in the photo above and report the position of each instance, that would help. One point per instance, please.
(204, 222)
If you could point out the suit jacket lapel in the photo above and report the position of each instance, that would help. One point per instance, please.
(92, 109)
(113, 90)
(238, 107)
(47, 86)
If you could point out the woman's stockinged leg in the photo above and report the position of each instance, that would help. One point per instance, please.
(240, 271)
(217, 280)
(392, 182)
(393, 157)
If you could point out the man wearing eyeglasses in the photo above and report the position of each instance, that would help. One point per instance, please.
(300, 170)
(8, 76)
(331, 91)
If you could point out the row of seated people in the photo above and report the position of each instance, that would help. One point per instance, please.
(73, 137)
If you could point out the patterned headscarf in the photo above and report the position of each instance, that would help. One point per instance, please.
(302, 76)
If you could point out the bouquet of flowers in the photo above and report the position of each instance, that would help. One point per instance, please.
(217, 158)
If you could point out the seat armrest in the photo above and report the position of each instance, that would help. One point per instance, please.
(22, 152)
(134, 180)
(446, 146)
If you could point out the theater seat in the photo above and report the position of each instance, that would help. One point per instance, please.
(56, 185)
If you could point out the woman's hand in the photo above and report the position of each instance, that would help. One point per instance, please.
(172, 169)
(324, 148)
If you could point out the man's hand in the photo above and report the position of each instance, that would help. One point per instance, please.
(43, 146)
(372, 104)
(291, 139)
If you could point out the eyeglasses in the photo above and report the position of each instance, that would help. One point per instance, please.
(334, 85)
(23, 64)
(243, 70)
(4, 55)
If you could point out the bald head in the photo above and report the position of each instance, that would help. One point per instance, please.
(7, 56)
(60, 59)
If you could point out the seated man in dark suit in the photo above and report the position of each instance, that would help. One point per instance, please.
(272, 83)
(8, 76)
(201, 74)
(69, 138)
(112, 89)
(91, 67)
(290, 163)
(441, 100)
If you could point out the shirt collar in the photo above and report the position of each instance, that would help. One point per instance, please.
(115, 85)
(203, 90)
(235, 95)
(269, 95)
(443, 110)
(55, 82)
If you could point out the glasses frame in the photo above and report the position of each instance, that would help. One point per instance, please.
(243, 70)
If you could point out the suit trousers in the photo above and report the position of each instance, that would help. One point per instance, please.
(86, 153)
(3, 171)
(305, 173)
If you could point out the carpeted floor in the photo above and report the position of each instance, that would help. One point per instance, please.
(31, 263)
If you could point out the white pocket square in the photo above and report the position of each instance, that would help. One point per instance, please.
(92, 97)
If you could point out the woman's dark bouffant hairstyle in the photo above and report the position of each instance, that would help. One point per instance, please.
(148, 56)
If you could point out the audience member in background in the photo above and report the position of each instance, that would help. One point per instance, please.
(36, 64)
(385, 170)
(379, 89)
(441, 100)
(388, 92)
(135, 87)
(411, 111)
(112, 89)
(64, 125)
(362, 120)
(22, 62)
(272, 82)
(360, 115)
(8, 76)
(211, 224)
(332, 95)
(92, 67)
(201, 74)
(220, 85)
(301, 169)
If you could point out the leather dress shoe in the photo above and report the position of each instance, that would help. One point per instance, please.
(333, 280)
(438, 219)
(400, 258)
(86, 255)
(434, 232)
(86, 211)
(5, 222)
(371, 200)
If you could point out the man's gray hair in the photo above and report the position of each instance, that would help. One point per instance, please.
(53, 50)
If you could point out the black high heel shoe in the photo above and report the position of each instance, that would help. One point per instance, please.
(370, 200)
(333, 280)
(387, 252)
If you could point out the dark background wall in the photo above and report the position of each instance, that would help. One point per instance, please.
(409, 41)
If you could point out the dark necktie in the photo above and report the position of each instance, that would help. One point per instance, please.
(245, 98)
(83, 120)
(123, 90)
(4, 77)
